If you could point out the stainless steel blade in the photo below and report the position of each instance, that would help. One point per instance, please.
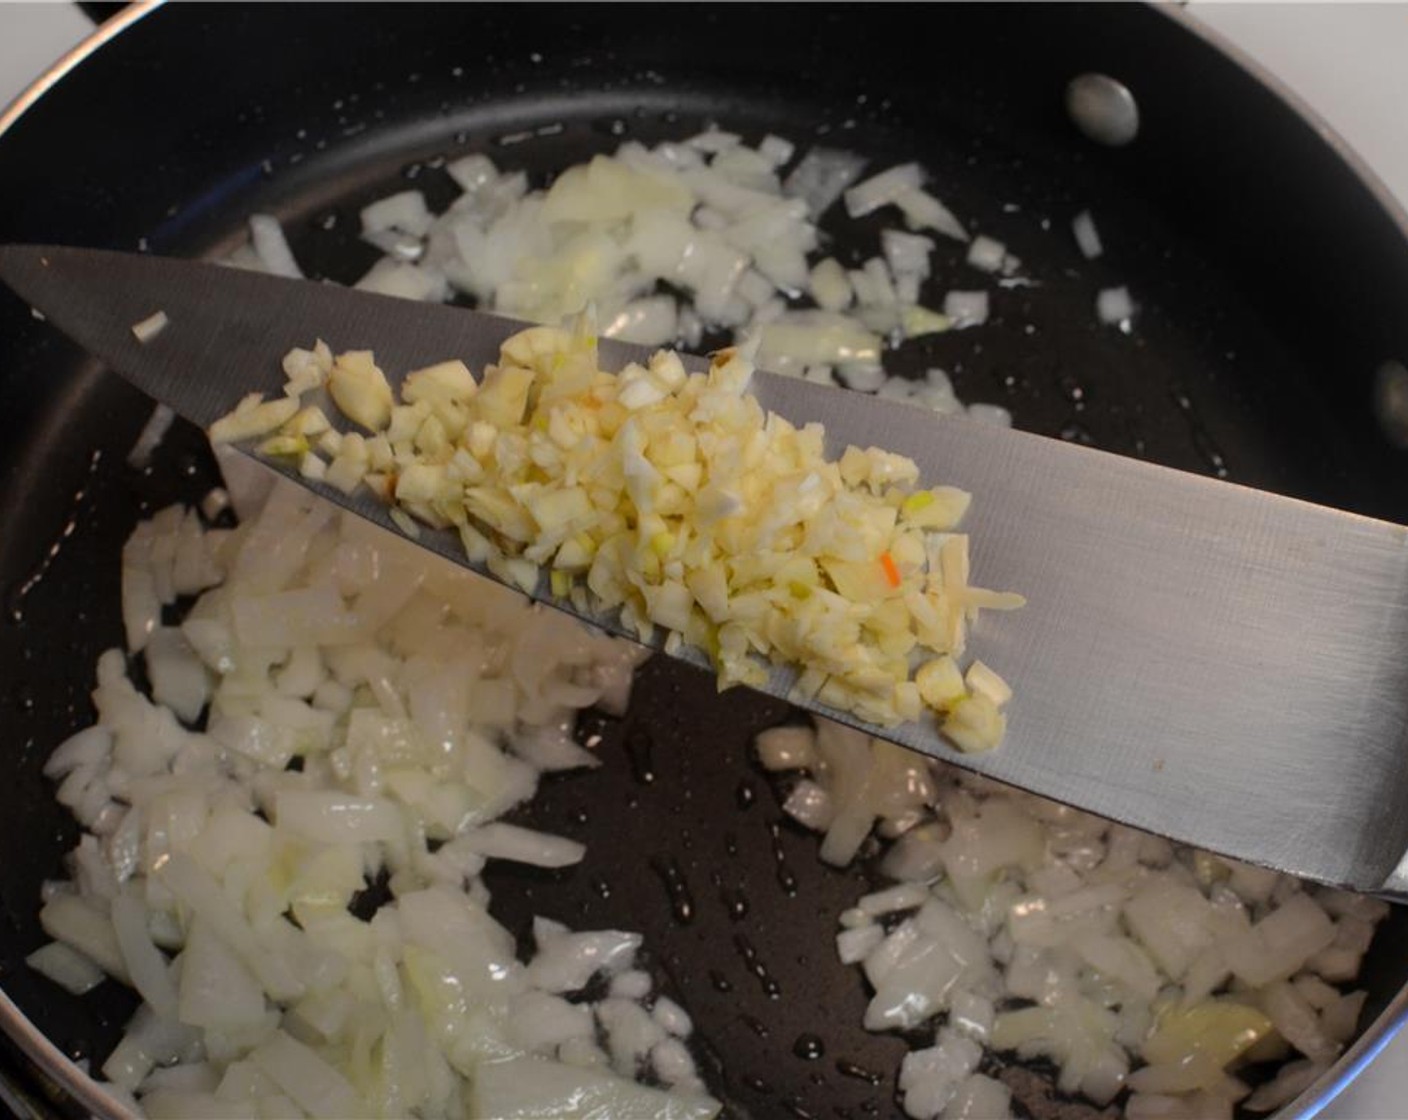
(1216, 664)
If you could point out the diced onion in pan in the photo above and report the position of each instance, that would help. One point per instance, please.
(1033, 929)
(1087, 236)
(150, 327)
(219, 880)
(271, 247)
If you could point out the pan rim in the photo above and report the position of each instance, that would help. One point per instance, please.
(100, 35)
(93, 1096)
(85, 1090)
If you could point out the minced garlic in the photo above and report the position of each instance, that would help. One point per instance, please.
(676, 499)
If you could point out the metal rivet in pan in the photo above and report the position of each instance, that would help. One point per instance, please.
(1103, 109)
(1391, 401)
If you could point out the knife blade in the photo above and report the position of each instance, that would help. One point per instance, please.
(1218, 665)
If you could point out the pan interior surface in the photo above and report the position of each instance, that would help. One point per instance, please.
(1252, 357)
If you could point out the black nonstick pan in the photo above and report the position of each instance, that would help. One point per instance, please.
(1269, 273)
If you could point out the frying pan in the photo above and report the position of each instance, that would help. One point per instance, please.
(1269, 270)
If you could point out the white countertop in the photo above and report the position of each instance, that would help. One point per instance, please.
(1349, 61)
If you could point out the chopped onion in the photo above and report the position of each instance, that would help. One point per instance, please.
(672, 1017)
(177, 676)
(924, 211)
(930, 1078)
(714, 140)
(1113, 942)
(776, 150)
(822, 177)
(396, 245)
(883, 189)
(653, 321)
(472, 172)
(217, 881)
(390, 277)
(673, 1065)
(904, 896)
(567, 961)
(786, 748)
(631, 984)
(146, 967)
(865, 378)
(404, 212)
(810, 805)
(709, 218)
(978, 1097)
(539, 1022)
(310, 1082)
(907, 253)
(993, 414)
(854, 945)
(150, 327)
(1086, 235)
(83, 927)
(966, 309)
(267, 236)
(1114, 306)
(523, 845)
(66, 966)
(986, 254)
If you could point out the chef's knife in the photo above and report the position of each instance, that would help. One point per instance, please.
(1216, 664)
